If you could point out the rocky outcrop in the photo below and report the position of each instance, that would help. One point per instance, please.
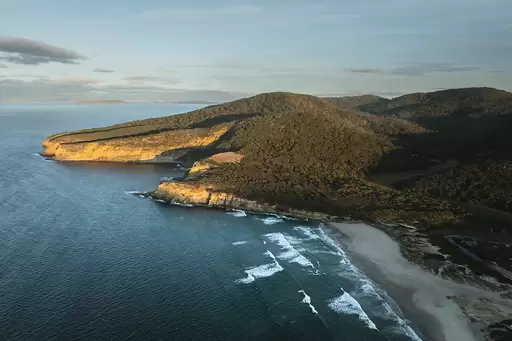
(201, 194)
(139, 148)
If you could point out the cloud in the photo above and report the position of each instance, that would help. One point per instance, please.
(154, 79)
(81, 88)
(102, 70)
(3, 66)
(187, 13)
(375, 71)
(417, 69)
(421, 69)
(32, 52)
(76, 80)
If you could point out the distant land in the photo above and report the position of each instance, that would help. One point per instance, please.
(195, 102)
(433, 170)
(103, 101)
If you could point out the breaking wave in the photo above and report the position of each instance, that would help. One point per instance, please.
(136, 193)
(271, 220)
(262, 271)
(364, 288)
(289, 253)
(346, 304)
(237, 213)
(242, 242)
(307, 300)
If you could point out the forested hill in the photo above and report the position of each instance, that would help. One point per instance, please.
(305, 150)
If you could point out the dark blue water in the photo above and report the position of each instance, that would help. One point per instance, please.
(83, 259)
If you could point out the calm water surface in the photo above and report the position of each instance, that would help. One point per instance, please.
(83, 259)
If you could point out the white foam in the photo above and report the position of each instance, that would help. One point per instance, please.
(137, 193)
(166, 178)
(262, 271)
(289, 253)
(237, 213)
(307, 231)
(366, 289)
(271, 220)
(181, 204)
(346, 304)
(307, 300)
(270, 254)
(242, 242)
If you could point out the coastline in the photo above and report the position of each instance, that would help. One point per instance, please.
(440, 308)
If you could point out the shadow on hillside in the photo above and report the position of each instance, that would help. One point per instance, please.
(456, 137)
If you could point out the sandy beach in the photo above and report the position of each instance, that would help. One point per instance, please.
(438, 307)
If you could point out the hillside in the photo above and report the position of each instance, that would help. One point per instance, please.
(321, 151)
(363, 103)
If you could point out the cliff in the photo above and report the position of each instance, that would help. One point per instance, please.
(131, 148)
(197, 193)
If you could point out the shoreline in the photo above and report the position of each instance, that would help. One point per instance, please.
(439, 308)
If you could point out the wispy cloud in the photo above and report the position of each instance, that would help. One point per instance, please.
(102, 70)
(420, 69)
(76, 80)
(32, 52)
(374, 71)
(187, 13)
(416, 69)
(79, 88)
(141, 79)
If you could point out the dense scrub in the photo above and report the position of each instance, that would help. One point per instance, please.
(315, 153)
(488, 184)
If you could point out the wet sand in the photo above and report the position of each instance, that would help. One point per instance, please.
(430, 302)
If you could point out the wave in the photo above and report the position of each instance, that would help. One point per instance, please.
(136, 193)
(289, 253)
(180, 204)
(364, 288)
(271, 220)
(167, 178)
(242, 242)
(237, 213)
(346, 304)
(307, 231)
(307, 300)
(262, 271)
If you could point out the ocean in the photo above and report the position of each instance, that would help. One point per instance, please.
(83, 258)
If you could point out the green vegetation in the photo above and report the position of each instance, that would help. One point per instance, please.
(488, 185)
(314, 153)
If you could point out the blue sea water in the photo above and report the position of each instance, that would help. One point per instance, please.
(81, 258)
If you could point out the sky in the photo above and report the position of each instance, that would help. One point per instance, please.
(220, 50)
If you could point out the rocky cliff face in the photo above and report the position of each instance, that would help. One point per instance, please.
(198, 193)
(138, 148)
